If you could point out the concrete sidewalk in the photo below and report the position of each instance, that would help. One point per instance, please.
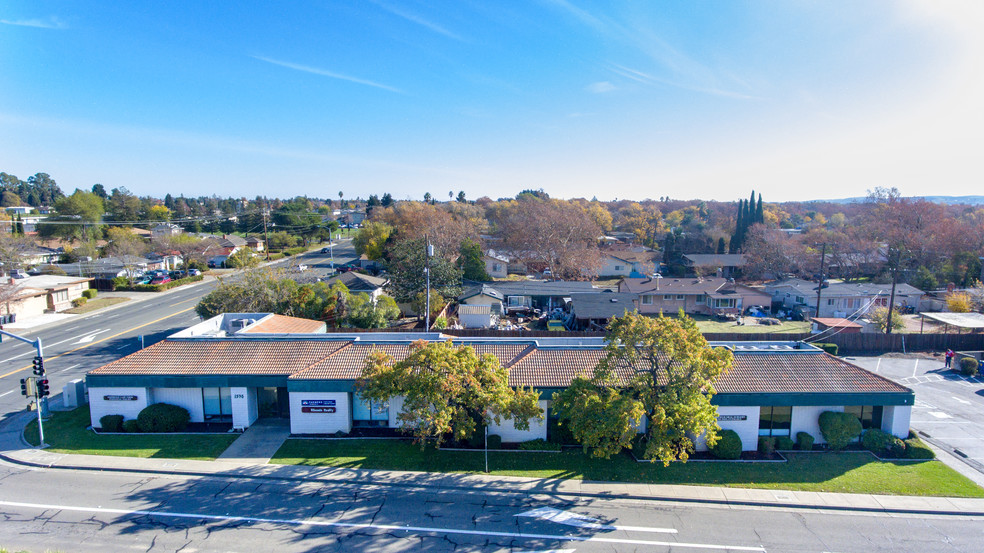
(14, 450)
(258, 443)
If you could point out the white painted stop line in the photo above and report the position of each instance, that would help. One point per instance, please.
(374, 526)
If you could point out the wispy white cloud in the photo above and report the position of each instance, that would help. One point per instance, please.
(326, 73)
(49, 23)
(414, 18)
(600, 87)
(196, 142)
(649, 79)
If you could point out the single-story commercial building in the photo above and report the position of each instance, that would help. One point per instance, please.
(235, 368)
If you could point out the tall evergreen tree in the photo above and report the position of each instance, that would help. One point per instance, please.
(760, 211)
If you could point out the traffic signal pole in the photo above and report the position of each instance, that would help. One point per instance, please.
(41, 381)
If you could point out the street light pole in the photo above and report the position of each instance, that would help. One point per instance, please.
(428, 252)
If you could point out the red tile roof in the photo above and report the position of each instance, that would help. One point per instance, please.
(279, 324)
(806, 373)
(222, 357)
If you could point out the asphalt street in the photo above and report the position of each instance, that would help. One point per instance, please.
(949, 407)
(96, 511)
(75, 346)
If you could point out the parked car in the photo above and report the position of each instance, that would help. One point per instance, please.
(194, 272)
(160, 279)
(325, 250)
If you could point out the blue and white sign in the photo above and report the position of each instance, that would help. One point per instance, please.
(317, 403)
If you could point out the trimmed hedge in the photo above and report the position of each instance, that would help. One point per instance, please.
(882, 443)
(829, 348)
(539, 444)
(766, 445)
(804, 441)
(784, 443)
(968, 366)
(79, 302)
(728, 445)
(158, 287)
(111, 423)
(89, 293)
(163, 417)
(495, 441)
(916, 449)
(132, 426)
(839, 429)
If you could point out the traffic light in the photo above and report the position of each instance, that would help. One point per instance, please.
(23, 386)
(29, 387)
(43, 387)
(38, 366)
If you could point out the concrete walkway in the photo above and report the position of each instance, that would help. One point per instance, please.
(258, 443)
(248, 461)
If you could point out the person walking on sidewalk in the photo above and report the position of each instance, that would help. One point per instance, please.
(949, 357)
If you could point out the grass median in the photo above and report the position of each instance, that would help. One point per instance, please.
(850, 472)
(66, 432)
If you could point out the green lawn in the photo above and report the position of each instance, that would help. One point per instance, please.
(833, 472)
(95, 304)
(66, 433)
(709, 325)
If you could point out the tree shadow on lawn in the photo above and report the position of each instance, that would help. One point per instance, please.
(831, 471)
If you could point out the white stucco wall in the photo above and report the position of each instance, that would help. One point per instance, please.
(747, 429)
(806, 418)
(395, 406)
(509, 433)
(320, 423)
(244, 410)
(99, 406)
(895, 420)
(189, 398)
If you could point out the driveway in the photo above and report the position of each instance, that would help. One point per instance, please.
(949, 409)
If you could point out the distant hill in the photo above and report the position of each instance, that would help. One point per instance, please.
(947, 200)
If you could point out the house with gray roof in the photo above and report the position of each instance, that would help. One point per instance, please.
(695, 295)
(841, 299)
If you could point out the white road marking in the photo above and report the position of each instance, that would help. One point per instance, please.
(940, 415)
(914, 367)
(8, 393)
(70, 368)
(878, 364)
(17, 356)
(92, 336)
(964, 401)
(581, 521)
(124, 346)
(390, 527)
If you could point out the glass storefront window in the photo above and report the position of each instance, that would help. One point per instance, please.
(216, 402)
(775, 421)
(368, 413)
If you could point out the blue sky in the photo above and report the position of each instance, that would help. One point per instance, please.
(796, 99)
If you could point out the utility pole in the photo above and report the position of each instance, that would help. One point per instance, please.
(823, 253)
(428, 252)
(36, 386)
(891, 301)
(266, 236)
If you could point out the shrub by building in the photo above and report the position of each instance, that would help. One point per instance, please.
(111, 423)
(968, 366)
(163, 417)
(728, 445)
(839, 429)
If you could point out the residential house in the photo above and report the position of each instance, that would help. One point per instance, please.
(521, 296)
(477, 316)
(695, 295)
(226, 370)
(593, 311)
(724, 265)
(483, 294)
(628, 263)
(35, 295)
(255, 243)
(496, 264)
(840, 299)
(165, 229)
(360, 283)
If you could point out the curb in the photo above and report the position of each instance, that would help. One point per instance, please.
(527, 493)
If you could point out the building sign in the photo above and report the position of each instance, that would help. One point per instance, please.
(722, 418)
(317, 409)
(120, 398)
(318, 403)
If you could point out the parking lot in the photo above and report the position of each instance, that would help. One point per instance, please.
(949, 408)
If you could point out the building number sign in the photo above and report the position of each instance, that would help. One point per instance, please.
(732, 417)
